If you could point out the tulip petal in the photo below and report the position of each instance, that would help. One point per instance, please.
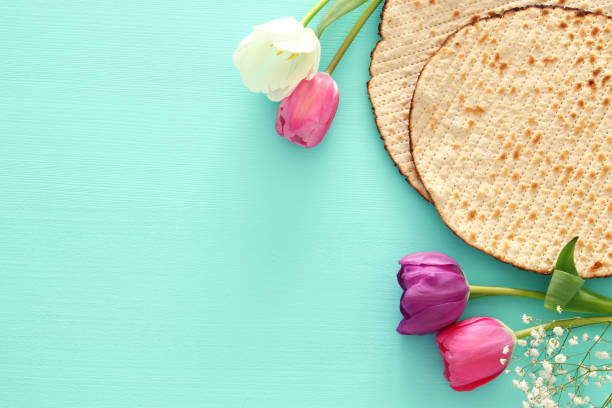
(475, 384)
(431, 319)
(306, 42)
(431, 284)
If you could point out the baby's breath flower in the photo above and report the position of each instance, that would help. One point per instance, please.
(559, 309)
(503, 361)
(506, 350)
(548, 403)
(550, 377)
(578, 400)
(527, 319)
(521, 385)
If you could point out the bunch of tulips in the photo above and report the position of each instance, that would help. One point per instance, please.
(477, 350)
(281, 60)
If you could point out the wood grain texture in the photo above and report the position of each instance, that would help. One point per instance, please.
(162, 247)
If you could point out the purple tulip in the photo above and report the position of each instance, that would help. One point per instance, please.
(435, 292)
(304, 116)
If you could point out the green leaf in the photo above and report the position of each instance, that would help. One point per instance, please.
(565, 261)
(562, 289)
(587, 301)
(337, 10)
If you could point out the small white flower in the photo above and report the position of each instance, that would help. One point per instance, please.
(507, 372)
(547, 367)
(596, 338)
(552, 344)
(558, 330)
(585, 337)
(503, 361)
(506, 350)
(548, 403)
(276, 56)
(579, 401)
(534, 352)
(573, 341)
(521, 342)
(560, 358)
(527, 319)
(521, 385)
(519, 371)
(559, 309)
(525, 404)
(602, 355)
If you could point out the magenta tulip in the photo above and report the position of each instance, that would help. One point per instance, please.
(435, 292)
(304, 116)
(475, 351)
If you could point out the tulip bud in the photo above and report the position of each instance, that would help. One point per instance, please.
(305, 116)
(475, 351)
(435, 292)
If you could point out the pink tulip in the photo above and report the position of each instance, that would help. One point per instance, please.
(475, 351)
(304, 116)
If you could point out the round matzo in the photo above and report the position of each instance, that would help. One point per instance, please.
(412, 30)
(511, 135)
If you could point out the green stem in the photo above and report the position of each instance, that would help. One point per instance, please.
(573, 322)
(313, 12)
(352, 34)
(482, 291)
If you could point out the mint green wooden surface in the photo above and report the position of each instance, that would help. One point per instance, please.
(161, 246)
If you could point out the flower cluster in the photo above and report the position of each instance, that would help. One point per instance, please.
(553, 371)
(477, 350)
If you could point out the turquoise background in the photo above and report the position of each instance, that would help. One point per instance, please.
(162, 246)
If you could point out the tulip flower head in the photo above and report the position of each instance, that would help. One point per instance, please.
(475, 351)
(435, 292)
(305, 116)
(276, 56)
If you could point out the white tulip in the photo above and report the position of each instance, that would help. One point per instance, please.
(276, 56)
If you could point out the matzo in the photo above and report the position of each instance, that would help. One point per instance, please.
(511, 135)
(411, 31)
